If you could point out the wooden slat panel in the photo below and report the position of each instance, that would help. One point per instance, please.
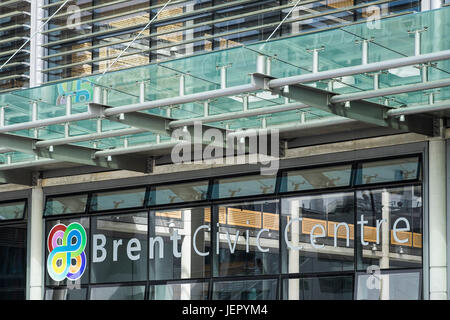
(308, 224)
(402, 235)
(370, 234)
(244, 218)
(271, 221)
(417, 240)
(170, 214)
(222, 215)
(342, 231)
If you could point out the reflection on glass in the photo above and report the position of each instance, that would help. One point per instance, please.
(317, 178)
(13, 257)
(179, 291)
(118, 293)
(65, 205)
(245, 290)
(12, 210)
(179, 244)
(118, 199)
(388, 171)
(318, 233)
(243, 186)
(66, 294)
(392, 227)
(185, 192)
(66, 222)
(119, 245)
(389, 286)
(248, 239)
(320, 288)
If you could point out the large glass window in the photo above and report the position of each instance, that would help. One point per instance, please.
(66, 294)
(245, 290)
(180, 243)
(318, 288)
(388, 171)
(12, 210)
(332, 233)
(119, 248)
(248, 239)
(66, 268)
(65, 205)
(179, 291)
(12, 262)
(392, 220)
(243, 186)
(175, 193)
(114, 200)
(118, 293)
(389, 285)
(316, 178)
(318, 233)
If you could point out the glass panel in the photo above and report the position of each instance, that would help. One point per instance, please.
(175, 193)
(12, 210)
(64, 267)
(393, 229)
(180, 244)
(388, 171)
(389, 286)
(245, 290)
(320, 288)
(118, 293)
(179, 291)
(317, 178)
(119, 248)
(13, 257)
(249, 239)
(318, 233)
(243, 186)
(118, 200)
(66, 294)
(65, 205)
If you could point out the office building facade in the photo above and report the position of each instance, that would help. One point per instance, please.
(216, 150)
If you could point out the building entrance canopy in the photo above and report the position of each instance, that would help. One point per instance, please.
(391, 73)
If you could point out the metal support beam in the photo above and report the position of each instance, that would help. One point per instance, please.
(71, 153)
(153, 123)
(360, 110)
(21, 177)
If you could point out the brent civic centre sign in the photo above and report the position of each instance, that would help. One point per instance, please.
(67, 258)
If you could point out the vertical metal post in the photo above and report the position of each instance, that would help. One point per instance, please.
(182, 85)
(376, 81)
(68, 113)
(34, 117)
(142, 92)
(365, 51)
(223, 77)
(206, 108)
(303, 117)
(245, 102)
(261, 64)
(97, 95)
(105, 97)
(2, 116)
(268, 66)
(315, 60)
(417, 42)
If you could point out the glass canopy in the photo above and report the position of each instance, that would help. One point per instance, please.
(391, 38)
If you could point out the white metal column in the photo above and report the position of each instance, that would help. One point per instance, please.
(437, 219)
(35, 285)
(36, 49)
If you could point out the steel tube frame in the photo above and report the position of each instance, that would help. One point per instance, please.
(239, 114)
(439, 106)
(390, 91)
(370, 67)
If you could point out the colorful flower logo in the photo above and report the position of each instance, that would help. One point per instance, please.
(67, 258)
